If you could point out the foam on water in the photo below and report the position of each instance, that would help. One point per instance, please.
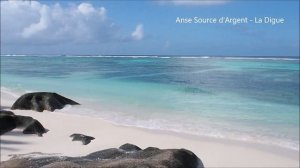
(262, 58)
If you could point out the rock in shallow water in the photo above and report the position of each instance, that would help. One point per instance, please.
(40, 101)
(115, 158)
(10, 121)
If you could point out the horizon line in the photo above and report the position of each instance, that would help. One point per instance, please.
(171, 55)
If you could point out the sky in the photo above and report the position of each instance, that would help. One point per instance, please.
(148, 28)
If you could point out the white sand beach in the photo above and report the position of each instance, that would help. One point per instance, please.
(212, 152)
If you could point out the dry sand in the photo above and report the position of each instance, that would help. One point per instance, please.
(212, 152)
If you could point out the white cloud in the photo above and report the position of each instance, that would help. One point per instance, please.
(86, 8)
(102, 11)
(37, 23)
(41, 25)
(194, 2)
(138, 33)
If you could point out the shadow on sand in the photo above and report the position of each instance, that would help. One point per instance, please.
(11, 142)
(8, 148)
(5, 107)
(15, 132)
(11, 145)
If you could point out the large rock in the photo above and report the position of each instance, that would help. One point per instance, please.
(10, 121)
(130, 147)
(32, 126)
(40, 101)
(4, 112)
(114, 158)
(7, 123)
(111, 153)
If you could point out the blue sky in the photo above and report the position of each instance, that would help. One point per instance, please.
(147, 27)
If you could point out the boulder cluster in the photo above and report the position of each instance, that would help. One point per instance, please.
(126, 156)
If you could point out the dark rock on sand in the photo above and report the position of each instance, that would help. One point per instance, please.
(7, 123)
(62, 164)
(151, 149)
(129, 147)
(4, 112)
(40, 101)
(114, 158)
(83, 138)
(10, 121)
(16, 163)
(35, 127)
(111, 153)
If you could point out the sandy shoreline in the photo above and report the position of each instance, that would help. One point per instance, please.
(212, 152)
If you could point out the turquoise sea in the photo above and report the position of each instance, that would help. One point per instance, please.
(253, 99)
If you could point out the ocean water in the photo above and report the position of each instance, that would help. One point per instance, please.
(251, 99)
